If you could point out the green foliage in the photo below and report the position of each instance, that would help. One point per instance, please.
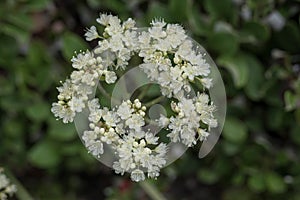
(235, 130)
(256, 156)
(71, 44)
(44, 154)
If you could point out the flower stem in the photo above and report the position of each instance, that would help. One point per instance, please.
(106, 94)
(154, 101)
(21, 193)
(151, 190)
(144, 92)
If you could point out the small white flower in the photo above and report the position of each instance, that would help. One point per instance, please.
(82, 60)
(4, 182)
(203, 134)
(144, 39)
(130, 39)
(110, 118)
(102, 46)
(186, 106)
(91, 34)
(188, 136)
(206, 82)
(135, 122)
(129, 24)
(150, 138)
(137, 175)
(124, 111)
(104, 19)
(158, 23)
(7, 189)
(163, 121)
(89, 137)
(63, 112)
(164, 78)
(110, 77)
(76, 76)
(95, 116)
(96, 148)
(163, 45)
(84, 90)
(89, 78)
(185, 49)
(116, 43)
(66, 90)
(76, 104)
(175, 35)
(157, 32)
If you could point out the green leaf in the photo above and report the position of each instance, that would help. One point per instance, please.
(38, 111)
(44, 154)
(17, 32)
(221, 9)
(207, 176)
(8, 50)
(230, 148)
(224, 43)
(72, 43)
(255, 32)
(36, 5)
(238, 178)
(275, 118)
(158, 10)
(289, 37)
(238, 67)
(61, 131)
(116, 6)
(295, 134)
(297, 115)
(256, 79)
(196, 20)
(13, 128)
(178, 10)
(275, 183)
(235, 130)
(72, 149)
(237, 194)
(21, 20)
(256, 182)
(290, 100)
(37, 56)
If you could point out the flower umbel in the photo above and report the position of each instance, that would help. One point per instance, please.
(170, 60)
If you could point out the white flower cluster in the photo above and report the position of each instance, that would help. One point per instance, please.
(169, 59)
(121, 128)
(6, 188)
(186, 125)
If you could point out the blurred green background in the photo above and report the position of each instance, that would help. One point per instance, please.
(256, 45)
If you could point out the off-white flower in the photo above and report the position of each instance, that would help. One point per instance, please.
(82, 60)
(203, 134)
(129, 24)
(96, 148)
(125, 110)
(135, 122)
(104, 19)
(91, 34)
(7, 189)
(206, 82)
(116, 43)
(110, 77)
(63, 112)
